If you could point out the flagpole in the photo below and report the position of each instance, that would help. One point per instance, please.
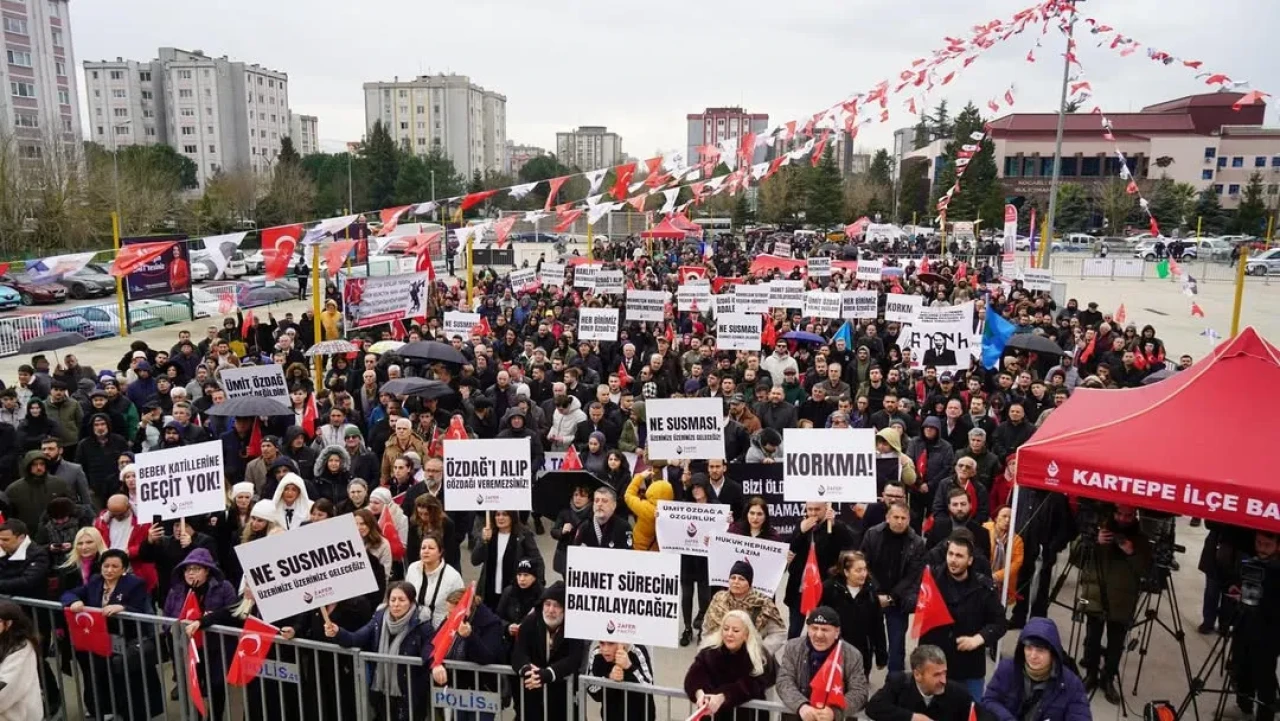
(1056, 178)
(1239, 299)
(121, 305)
(316, 295)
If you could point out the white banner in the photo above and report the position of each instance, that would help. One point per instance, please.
(829, 464)
(457, 322)
(1010, 230)
(694, 296)
(584, 275)
(821, 304)
(782, 248)
(900, 308)
(725, 302)
(522, 278)
(738, 331)
(610, 281)
(487, 475)
(313, 565)
(552, 274)
(370, 301)
(598, 324)
(1036, 279)
(407, 263)
(768, 560)
(221, 248)
(647, 305)
(624, 596)
(859, 304)
(786, 294)
(819, 267)
(180, 482)
(941, 337)
(881, 231)
(265, 381)
(685, 428)
(870, 270)
(686, 528)
(752, 298)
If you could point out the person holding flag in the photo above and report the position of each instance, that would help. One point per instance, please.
(476, 638)
(820, 532)
(199, 597)
(820, 676)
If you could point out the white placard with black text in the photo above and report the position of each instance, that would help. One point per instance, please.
(836, 465)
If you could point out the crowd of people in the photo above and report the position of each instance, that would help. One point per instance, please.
(945, 442)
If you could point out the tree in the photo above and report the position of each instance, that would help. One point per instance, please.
(1116, 204)
(413, 181)
(290, 197)
(942, 127)
(913, 190)
(741, 211)
(1211, 218)
(881, 170)
(142, 182)
(288, 155)
(1251, 215)
(383, 158)
(865, 196)
(1073, 212)
(975, 196)
(1171, 203)
(780, 196)
(234, 193)
(921, 137)
(824, 197)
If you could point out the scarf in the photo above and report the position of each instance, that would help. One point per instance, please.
(1001, 545)
(385, 679)
(758, 606)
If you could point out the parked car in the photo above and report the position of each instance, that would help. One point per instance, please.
(32, 292)
(9, 298)
(1265, 263)
(93, 321)
(88, 282)
(1206, 249)
(236, 266)
(206, 304)
(1074, 243)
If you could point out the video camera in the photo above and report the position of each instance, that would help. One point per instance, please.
(1253, 578)
(1159, 528)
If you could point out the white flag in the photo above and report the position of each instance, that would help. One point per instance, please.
(670, 205)
(519, 191)
(596, 177)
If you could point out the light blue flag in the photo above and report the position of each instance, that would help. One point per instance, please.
(995, 335)
(845, 332)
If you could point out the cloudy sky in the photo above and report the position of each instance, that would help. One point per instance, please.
(638, 68)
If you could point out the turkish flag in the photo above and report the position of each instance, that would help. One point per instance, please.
(1196, 311)
(191, 612)
(132, 257)
(387, 525)
(435, 448)
(622, 178)
(623, 377)
(255, 440)
(571, 460)
(827, 687)
(473, 199)
(391, 218)
(397, 330)
(769, 336)
(88, 631)
(449, 629)
(482, 328)
(278, 246)
(193, 677)
(1120, 314)
(251, 651)
(931, 610)
(456, 431)
(692, 272)
(337, 254)
(309, 416)
(811, 583)
(502, 228)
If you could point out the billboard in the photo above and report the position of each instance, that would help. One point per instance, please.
(170, 274)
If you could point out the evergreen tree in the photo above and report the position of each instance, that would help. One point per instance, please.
(288, 155)
(1170, 202)
(741, 212)
(1252, 214)
(913, 193)
(824, 194)
(921, 137)
(881, 170)
(413, 182)
(477, 182)
(975, 195)
(383, 160)
(1073, 211)
(942, 126)
(1213, 220)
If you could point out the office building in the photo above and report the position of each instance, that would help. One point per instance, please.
(714, 125)
(40, 107)
(442, 112)
(304, 130)
(842, 151)
(590, 147)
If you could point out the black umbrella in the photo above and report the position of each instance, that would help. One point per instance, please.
(554, 489)
(250, 406)
(432, 350)
(51, 341)
(1034, 343)
(264, 296)
(933, 278)
(1162, 374)
(421, 387)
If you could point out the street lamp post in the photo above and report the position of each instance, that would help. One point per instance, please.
(1057, 144)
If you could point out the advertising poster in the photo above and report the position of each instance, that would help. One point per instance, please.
(170, 274)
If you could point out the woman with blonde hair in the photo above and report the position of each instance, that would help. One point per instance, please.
(82, 561)
(731, 668)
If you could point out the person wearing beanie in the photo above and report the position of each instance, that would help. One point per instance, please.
(545, 659)
(802, 658)
(264, 513)
(519, 599)
(759, 605)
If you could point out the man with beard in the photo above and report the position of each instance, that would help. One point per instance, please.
(959, 515)
(545, 660)
(118, 403)
(72, 473)
(99, 455)
(98, 404)
(606, 529)
(975, 608)
(964, 479)
(1109, 587)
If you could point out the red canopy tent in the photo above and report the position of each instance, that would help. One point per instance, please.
(1195, 444)
(680, 221)
(665, 229)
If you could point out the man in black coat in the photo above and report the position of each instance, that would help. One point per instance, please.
(546, 661)
(895, 557)
(24, 567)
(902, 698)
(813, 530)
(605, 529)
(596, 421)
(978, 616)
(99, 456)
(724, 489)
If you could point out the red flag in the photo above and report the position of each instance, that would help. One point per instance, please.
(1131, 188)
(278, 245)
(249, 322)
(251, 651)
(502, 228)
(456, 431)
(571, 460)
(637, 203)
(387, 525)
(962, 269)
(4, 268)
(700, 711)
(132, 257)
(1253, 97)
(1155, 227)
(1120, 314)
(1174, 267)
(482, 328)
(435, 448)
(1196, 310)
(193, 677)
(473, 199)
(931, 610)
(191, 612)
(924, 265)
(555, 184)
(819, 148)
(688, 273)
(255, 440)
(827, 685)
(391, 218)
(567, 219)
(1008, 97)
(397, 330)
(443, 640)
(337, 254)
(309, 416)
(994, 107)
(811, 584)
(622, 178)
(769, 336)
(88, 631)
(623, 376)
(670, 334)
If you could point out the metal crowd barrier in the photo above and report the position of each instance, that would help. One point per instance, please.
(1121, 267)
(670, 703)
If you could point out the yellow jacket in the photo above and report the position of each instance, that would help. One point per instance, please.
(997, 573)
(331, 324)
(644, 536)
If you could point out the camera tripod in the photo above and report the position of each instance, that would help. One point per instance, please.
(1146, 618)
(1218, 661)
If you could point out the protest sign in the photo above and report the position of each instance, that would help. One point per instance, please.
(370, 301)
(457, 322)
(870, 270)
(899, 308)
(647, 305)
(941, 337)
(266, 381)
(752, 298)
(523, 278)
(765, 480)
(858, 304)
(584, 275)
(487, 475)
(694, 296)
(786, 294)
(1037, 279)
(623, 596)
(725, 302)
(313, 565)
(821, 304)
(686, 528)
(782, 248)
(610, 281)
(768, 560)
(738, 331)
(829, 464)
(182, 481)
(681, 428)
(552, 274)
(598, 324)
(820, 267)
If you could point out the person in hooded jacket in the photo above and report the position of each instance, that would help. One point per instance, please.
(198, 574)
(36, 426)
(98, 455)
(934, 460)
(545, 661)
(766, 446)
(1039, 683)
(31, 494)
(515, 424)
(143, 388)
(332, 473)
(166, 548)
(364, 464)
(297, 448)
(642, 497)
(292, 502)
(518, 599)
